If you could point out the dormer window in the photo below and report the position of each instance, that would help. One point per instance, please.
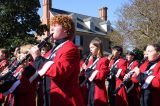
(103, 25)
(89, 23)
(106, 26)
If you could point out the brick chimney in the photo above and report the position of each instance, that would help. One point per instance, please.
(47, 4)
(103, 13)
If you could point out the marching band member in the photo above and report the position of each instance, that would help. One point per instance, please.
(3, 65)
(22, 92)
(60, 67)
(44, 50)
(133, 89)
(96, 71)
(148, 75)
(118, 67)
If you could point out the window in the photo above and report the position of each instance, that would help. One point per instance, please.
(78, 40)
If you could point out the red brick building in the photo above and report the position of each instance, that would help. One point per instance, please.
(87, 27)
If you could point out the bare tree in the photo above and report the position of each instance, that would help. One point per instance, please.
(116, 38)
(139, 22)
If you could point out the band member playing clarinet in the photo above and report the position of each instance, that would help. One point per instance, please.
(95, 72)
(118, 67)
(60, 66)
(22, 92)
(133, 89)
(148, 75)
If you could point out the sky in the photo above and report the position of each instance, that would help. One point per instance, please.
(88, 7)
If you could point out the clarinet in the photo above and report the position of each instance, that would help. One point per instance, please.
(10, 65)
(18, 63)
(85, 62)
(123, 83)
(129, 78)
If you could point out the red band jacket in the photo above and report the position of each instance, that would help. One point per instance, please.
(63, 71)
